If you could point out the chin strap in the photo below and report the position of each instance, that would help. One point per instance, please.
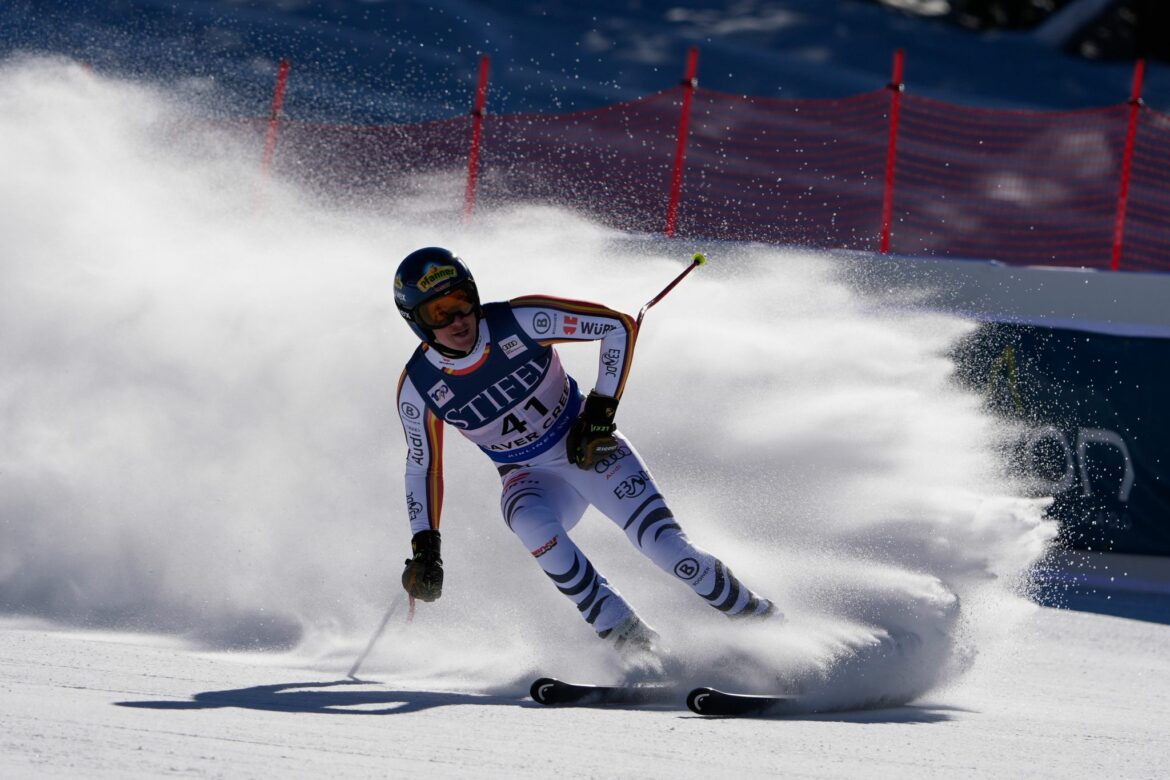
(447, 351)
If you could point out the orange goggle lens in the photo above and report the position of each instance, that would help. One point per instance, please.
(441, 312)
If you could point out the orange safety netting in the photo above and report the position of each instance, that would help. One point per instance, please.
(1021, 187)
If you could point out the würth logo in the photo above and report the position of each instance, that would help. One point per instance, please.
(569, 325)
(597, 328)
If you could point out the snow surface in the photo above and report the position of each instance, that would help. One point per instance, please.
(1070, 695)
(200, 443)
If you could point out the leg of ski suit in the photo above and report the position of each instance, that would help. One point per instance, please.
(540, 507)
(544, 499)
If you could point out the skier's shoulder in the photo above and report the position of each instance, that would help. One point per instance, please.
(495, 309)
(408, 395)
(422, 366)
(503, 318)
(416, 357)
(570, 306)
(542, 302)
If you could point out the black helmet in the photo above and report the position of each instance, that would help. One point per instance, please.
(426, 274)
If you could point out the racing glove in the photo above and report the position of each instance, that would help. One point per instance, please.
(423, 575)
(591, 437)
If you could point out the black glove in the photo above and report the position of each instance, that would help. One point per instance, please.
(423, 576)
(591, 437)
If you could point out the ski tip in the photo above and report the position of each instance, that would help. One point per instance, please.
(714, 702)
(697, 698)
(540, 688)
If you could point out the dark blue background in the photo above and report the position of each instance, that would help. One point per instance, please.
(393, 61)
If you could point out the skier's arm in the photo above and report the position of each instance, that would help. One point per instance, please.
(424, 458)
(423, 576)
(551, 320)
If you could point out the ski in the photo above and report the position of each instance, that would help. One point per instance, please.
(710, 701)
(551, 692)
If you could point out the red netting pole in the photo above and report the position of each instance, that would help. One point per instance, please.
(689, 83)
(896, 87)
(274, 117)
(476, 135)
(1135, 107)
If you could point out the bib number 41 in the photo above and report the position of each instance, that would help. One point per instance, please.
(515, 425)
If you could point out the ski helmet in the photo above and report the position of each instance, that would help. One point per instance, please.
(425, 275)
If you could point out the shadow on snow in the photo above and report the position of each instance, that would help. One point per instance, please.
(324, 697)
(332, 698)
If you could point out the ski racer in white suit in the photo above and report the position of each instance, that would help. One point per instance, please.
(491, 371)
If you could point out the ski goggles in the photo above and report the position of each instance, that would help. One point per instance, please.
(442, 311)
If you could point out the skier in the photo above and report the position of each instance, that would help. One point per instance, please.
(490, 370)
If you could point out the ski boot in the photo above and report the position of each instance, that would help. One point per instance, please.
(639, 647)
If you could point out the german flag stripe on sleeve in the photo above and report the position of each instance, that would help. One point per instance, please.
(566, 304)
(631, 339)
(434, 431)
(398, 391)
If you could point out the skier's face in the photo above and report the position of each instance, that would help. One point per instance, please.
(460, 335)
(452, 319)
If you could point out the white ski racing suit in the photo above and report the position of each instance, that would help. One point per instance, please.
(511, 397)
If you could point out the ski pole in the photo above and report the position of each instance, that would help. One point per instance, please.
(696, 261)
(394, 605)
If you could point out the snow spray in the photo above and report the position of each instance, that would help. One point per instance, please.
(197, 377)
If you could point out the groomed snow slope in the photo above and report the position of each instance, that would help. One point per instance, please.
(1069, 695)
